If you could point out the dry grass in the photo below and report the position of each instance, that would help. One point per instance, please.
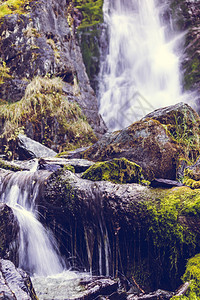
(50, 114)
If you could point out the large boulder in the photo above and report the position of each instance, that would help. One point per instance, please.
(155, 142)
(143, 225)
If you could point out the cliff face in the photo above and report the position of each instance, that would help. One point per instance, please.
(41, 42)
(186, 14)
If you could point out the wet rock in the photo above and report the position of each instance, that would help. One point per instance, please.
(8, 230)
(98, 287)
(28, 148)
(15, 284)
(158, 295)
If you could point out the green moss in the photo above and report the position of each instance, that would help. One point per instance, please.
(69, 168)
(4, 71)
(116, 170)
(13, 7)
(192, 73)
(91, 11)
(171, 236)
(192, 274)
(8, 166)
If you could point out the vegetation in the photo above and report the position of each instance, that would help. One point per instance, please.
(171, 238)
(52, 119)
(4, 71)
(192, 275)
(13, 7)
(117, 171)
(91, 11)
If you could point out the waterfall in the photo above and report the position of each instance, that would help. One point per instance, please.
(38, 252)
(141, 69)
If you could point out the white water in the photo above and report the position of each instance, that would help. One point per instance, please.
(38, 253)
(141, 70)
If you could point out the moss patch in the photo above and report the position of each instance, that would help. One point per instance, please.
(192, 274)
(117, 171)
(7, 166)
(13, 7)
(91, 11)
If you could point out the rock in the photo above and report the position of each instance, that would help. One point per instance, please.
(98, 287)
(28, 148)
(156, 142)
(8, 231)
(145, 143)
(15, 284)
(186, 16)
(43, 43)
(80, 165)
(157, 295)
(101, 216)
(77, 153)
(164, 183)
(178, 114)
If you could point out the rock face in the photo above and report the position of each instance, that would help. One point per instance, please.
(186, 15)
(155, 143)
(41, 42)
(15, 284)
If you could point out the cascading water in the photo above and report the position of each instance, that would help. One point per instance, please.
(37, 251)
(141, 70)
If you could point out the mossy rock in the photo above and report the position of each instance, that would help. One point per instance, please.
(8, 166)
(116, 170)
(191, 275)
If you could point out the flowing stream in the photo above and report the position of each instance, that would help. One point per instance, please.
(141, 69)
(37, 249)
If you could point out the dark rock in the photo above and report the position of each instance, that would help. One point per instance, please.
(28, 148)
(43, 43)
(8, 230)
(43, 165)
(164, 183)
(15, 284)
(103, 218)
